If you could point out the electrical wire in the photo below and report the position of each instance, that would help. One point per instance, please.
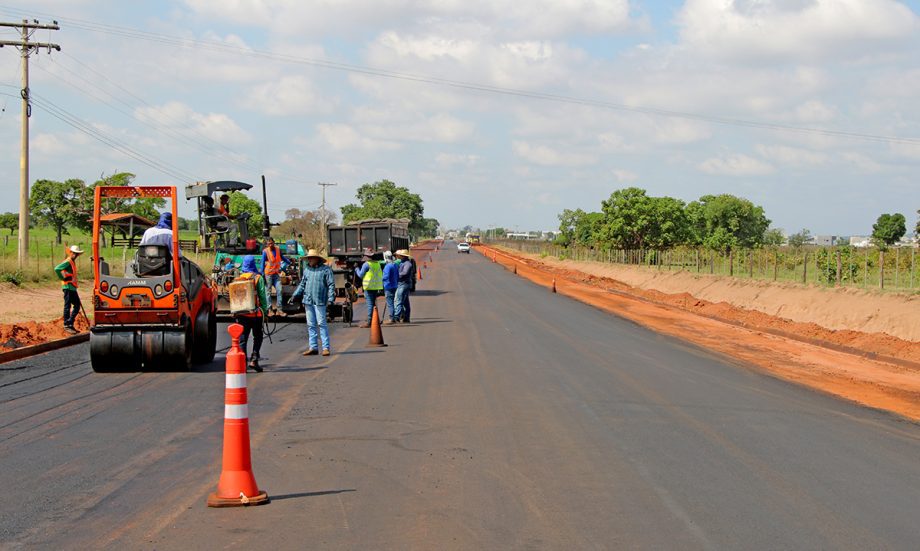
(127, 32)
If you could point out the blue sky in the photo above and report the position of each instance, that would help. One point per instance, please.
(210, 111)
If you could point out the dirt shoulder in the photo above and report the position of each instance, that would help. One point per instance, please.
(840, 361)
(32, 315)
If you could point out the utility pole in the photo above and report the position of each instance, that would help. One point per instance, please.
(25, 48)
(323, 225)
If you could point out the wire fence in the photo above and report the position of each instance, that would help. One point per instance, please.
(45, 254)
(843, 266)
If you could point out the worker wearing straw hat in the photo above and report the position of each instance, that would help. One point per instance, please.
(67, 273)
(317, 287)
(406, 273)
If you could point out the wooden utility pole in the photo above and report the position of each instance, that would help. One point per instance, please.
(26, 29)
(323, 221)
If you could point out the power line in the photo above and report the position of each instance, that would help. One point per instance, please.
(127, 32)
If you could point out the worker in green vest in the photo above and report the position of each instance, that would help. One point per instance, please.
(67, 273)
(371, 274)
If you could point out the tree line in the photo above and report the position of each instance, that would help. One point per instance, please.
(384, 199)
(632, 219)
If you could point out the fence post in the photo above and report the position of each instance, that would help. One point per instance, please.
(805, 267)
(775, 263)
(881, 269)
(839, 267)
(913, 253)
(731, 262)
(751, 263)
(866, 268)
(897, 265)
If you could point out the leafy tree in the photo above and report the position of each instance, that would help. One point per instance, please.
(797, 240)
(384, 199)
(633, 220)
(723, 222)
(889, 229)
(773, 237)
(429, 227)
(9, 221)
(148, 207)
(917, 226)
(56, 204)
(239, 204)
(305, 225)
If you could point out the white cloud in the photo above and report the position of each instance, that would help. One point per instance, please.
(625, 176)
(792, 156)
(547, 156)
(179, 117)
(289, 96)
(791, 30)
(455, 159)
(342, 137)
(735, 165)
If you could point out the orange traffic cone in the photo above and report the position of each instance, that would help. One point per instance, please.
(554, 284)
(237, 485)
(376, 333)
(515, 269)
(420, 274)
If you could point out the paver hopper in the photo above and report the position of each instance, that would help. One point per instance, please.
(160, 315)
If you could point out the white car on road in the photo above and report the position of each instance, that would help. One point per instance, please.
(463, 248)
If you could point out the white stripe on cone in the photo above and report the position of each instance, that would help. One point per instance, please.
(236, 380)
(236, 411)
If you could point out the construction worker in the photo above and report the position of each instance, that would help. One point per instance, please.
(271, 269)
(317, 287)
(371, 275)
(161, 234)
(390, 285)
(67, 273)
(406, 276)
(252, 322)
(224, 207)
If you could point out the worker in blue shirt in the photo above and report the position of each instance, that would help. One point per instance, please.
(390, 285)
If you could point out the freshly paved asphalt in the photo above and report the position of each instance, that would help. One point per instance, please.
(503, 417)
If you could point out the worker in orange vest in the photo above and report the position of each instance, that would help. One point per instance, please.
(252, 322)
(272, 260)
(67, 273)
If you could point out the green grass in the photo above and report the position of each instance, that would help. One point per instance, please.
(45, 254)
(860, 268)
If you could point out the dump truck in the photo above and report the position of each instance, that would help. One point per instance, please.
(347, 245)
(161, 313)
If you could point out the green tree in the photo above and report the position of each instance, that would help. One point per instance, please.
(9, 221)
(633, 220)
(429, 227)
(724, 222)
(148, 207)
(888, 229)
(384, 199)
(56, 204)
(239, 204)
(917, 226)
(798, 239)
(773, 237)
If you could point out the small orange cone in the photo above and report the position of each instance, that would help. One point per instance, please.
(376, 333)
(515, 269)
(554, 284)
(420, 274)
(237, 485)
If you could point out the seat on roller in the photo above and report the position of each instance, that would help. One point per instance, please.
(152, 260)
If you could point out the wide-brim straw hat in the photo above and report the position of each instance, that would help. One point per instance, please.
(313, 253)
(76, 249)
(403, 252)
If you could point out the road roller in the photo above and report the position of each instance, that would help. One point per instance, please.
(160, 315)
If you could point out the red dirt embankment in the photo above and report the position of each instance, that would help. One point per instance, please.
(874, 369)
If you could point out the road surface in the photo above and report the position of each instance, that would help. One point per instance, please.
(504, 417)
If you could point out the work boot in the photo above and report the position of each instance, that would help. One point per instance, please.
(388, 322)
(311, 352)
(254, 363)
(365, 325)
(326, 352)
(70, 329)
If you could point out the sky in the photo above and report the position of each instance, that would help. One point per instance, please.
(497, 112)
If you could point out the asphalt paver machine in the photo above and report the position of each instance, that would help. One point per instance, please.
(160, 314)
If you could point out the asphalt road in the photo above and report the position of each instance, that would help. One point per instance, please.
(504, 417)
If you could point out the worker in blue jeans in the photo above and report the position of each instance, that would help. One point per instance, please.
(371, 275)
(390, 284)
(317, 287)
(406, 274)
